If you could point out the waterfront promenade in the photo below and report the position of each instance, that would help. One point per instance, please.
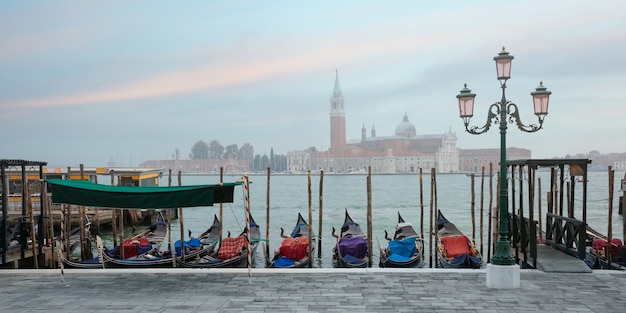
(305, 290)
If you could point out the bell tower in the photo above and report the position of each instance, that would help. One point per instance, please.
(337, 118)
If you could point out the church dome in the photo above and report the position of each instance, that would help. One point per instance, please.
(405, 128)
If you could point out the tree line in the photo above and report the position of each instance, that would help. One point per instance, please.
(215, 150)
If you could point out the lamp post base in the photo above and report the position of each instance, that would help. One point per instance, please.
(503, 276)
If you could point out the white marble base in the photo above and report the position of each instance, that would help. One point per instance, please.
(503, 276)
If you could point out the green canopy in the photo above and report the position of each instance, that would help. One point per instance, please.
(87, 193)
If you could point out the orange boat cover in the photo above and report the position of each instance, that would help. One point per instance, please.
(456, 245)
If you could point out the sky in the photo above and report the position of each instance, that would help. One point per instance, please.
(129, 81)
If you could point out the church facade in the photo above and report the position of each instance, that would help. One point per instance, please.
(402, 152)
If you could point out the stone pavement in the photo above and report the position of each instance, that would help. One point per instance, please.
(305, 290)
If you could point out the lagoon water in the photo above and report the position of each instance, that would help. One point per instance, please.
(390, 194)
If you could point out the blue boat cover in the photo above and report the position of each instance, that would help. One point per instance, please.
(190, 244)
(459, 260)
(352, 260)
(402, 250)
(284, 262)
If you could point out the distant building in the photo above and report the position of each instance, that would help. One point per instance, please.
(403, 152)
(473, 160)
(202, 166)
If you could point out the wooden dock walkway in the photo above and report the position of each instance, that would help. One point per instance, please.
(551, 260)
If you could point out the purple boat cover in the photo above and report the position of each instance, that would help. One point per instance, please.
(355, 246)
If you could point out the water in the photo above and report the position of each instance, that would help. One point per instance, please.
(390, 194)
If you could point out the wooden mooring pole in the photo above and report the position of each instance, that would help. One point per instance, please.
(222, 205)
(369, 215)
(169, 222)
(490, 214)
(472, 209)
(310, 202)
(181, 223)
(624, 210)
(267, 219)
(26, 194)
(319, 233)
(482, 207)
(434, 212)
(539, 210)
(609, 231)
(421, 204)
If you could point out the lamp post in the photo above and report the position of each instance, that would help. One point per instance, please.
(498, 113)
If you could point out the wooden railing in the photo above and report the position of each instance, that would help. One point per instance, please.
(566, 234)
(523, 237)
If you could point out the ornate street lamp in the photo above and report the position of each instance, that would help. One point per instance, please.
(497, 114)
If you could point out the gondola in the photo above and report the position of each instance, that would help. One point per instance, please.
(294, 250)
(351, 250)
(596, 251)
(193, 248)
(405, 249)
(233, 251)
(145, 245)
(454, 249)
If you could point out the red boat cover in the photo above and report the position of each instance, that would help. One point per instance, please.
(601, 243)
(231, 247)
(295, 248)
(456, 245)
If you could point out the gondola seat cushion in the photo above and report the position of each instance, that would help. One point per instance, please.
(353, 246)
(231, 247)
(136, 246)
(295, 248)
(456, 245)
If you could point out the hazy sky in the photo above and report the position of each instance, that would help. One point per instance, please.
(83, 82)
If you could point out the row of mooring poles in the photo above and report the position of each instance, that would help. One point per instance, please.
(491, 212)
(310, 217)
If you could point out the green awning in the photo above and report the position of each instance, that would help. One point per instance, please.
(83, 192)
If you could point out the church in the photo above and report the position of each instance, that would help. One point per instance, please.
(400, 153)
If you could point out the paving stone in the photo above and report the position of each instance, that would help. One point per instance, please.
(318, 290)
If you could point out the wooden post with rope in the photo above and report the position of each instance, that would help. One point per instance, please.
(246, 193)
